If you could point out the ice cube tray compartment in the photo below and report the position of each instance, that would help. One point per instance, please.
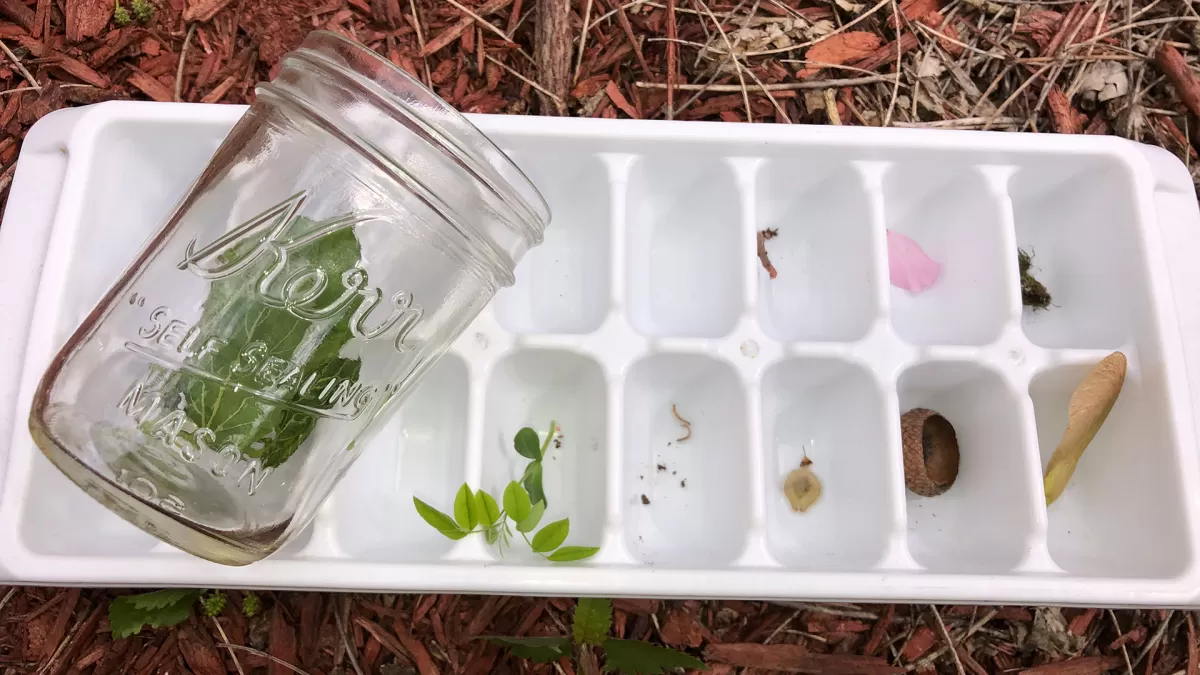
(648, 295)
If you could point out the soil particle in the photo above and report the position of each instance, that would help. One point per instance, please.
(275, 27)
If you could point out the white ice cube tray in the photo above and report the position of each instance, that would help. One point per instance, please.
(646, 294)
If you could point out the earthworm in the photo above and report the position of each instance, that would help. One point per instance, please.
(686, 425)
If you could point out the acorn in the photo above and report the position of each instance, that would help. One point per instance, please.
(930, 452)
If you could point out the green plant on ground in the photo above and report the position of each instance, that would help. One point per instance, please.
(121, 16)
(213, 603)
(143, 11)
(251, 604)
(129, 614)
(589, 641)
(523, 503)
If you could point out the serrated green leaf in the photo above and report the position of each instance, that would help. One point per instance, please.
(159, 599)
(129, 614)
(488, 509)
(551, 536)
(533, 518)
(538, 649)
(533, 482)
(516, 502)
(527, 445)
(465, 508)
(593, 620)
(227, 405)
(440, 521)
(634, 657)
(573, 553)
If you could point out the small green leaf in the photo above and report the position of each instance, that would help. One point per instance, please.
(440, 521)
(551, 536)
(573, 553)
(593, 619)
(535, 516)
(491, 535)
(465, 510)
(159, 599)
(634, 657)
(488, 509)
(533, 482)
(539, 649)
(516, 502)
(526, 443)
(127, 615)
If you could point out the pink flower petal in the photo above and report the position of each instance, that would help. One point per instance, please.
(908, 266)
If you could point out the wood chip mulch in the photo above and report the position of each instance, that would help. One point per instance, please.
(65, 631)
(1094, 66)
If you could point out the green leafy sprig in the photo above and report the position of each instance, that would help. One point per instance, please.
(593, 620)
(480, 513)
(521, 507)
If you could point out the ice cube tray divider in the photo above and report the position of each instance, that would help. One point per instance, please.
(648, 293)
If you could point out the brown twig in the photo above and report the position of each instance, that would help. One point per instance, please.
(583, 34)
(672, 58)
(187, 41)
(263, 655)
(623, 21)
(340, 617)
(225, 638)
(558, 102)
(20, 67)
(552, 51)
(953, 648)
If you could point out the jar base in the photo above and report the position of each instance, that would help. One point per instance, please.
(145, 517)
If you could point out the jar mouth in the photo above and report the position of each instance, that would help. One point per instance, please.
(467, 145)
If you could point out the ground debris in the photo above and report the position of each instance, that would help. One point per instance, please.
(797, 659)
(1081, 665)
(1033, 292)
(1049, 634)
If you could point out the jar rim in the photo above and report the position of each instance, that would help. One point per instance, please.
(470, 145)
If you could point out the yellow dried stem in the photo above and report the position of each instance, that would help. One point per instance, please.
(1090, 404)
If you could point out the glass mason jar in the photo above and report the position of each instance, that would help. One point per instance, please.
(346, 232)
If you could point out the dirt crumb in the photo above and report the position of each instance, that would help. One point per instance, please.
(1033, 292)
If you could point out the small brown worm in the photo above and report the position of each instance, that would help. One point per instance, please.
(686, 425)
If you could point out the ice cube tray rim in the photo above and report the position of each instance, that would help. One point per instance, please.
(170, 569)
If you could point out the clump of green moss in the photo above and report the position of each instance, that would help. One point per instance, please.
(1033, 292)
